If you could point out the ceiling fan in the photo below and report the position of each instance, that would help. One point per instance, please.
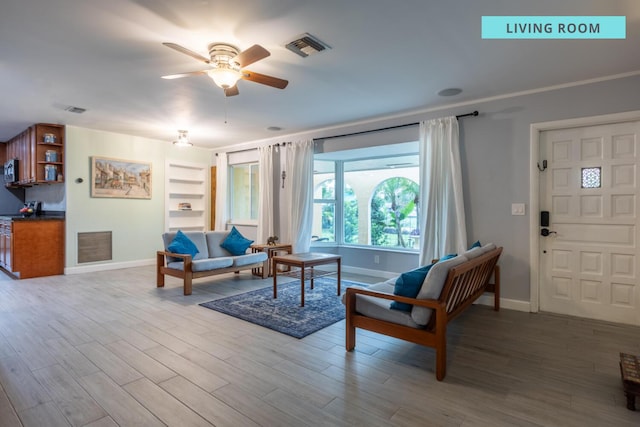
(227, 66)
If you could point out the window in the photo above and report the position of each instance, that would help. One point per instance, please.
(394, 213)
(324, 202)
(244, 190)
(368, 197)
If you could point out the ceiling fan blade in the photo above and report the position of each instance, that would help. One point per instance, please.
(181, 75)
(264, 79)
(231, 91)
(251, 55)
(187, 52)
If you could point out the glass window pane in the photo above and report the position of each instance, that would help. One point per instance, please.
(255, 187)
(591, 177)
(394, 213)
(351, 223)
(324, 222)
(245, 189)
(324, 207)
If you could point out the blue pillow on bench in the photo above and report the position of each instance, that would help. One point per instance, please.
(236, 243)
(181, 244)
(408, 285)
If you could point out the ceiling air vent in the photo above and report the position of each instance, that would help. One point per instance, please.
(306, 44)
(76, 110)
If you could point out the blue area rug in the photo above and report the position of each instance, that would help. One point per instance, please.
(322, 306)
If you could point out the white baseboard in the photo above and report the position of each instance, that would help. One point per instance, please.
(509, 304)
(109, 266)
(383, 275)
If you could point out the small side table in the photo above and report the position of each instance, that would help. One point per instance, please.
(630, 372)
(271, 250)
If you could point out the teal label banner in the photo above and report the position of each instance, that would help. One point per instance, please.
(554, 27)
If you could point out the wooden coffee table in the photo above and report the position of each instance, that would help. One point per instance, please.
(306, 263)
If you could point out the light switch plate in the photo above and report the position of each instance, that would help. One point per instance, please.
(517, 209)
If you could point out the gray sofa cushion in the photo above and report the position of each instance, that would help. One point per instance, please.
(239, 261)
(214, 239)
(378, 308)
(204, 264)
(432, 287)
(476, 252)
(197, 237)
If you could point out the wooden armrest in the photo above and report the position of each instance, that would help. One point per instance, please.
(184, 257)
(429, 303)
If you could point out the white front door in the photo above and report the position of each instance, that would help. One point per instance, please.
(589, 261)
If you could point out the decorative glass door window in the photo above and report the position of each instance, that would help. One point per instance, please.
(591, 177)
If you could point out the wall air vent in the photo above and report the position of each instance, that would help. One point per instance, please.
(76, 110)
(306, 44)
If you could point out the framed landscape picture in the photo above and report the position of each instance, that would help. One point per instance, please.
(117, 178)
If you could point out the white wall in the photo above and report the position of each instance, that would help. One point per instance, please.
(136, 224)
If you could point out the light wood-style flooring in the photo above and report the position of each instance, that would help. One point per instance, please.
(109, 348)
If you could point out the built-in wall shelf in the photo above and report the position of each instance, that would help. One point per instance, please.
(186, 184)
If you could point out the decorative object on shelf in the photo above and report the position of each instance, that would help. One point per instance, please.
(51, 156)
(271, 241)
(114, 178)
(50, 173)
(49, 138)
(183, 139)
(184, 206)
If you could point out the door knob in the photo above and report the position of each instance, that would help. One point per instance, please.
(545, 232)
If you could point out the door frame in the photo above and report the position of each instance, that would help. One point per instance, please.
(534, 187)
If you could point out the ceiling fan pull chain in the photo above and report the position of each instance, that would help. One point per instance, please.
(225, 109)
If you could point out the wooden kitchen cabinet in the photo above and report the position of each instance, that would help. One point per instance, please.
(32, 247)
(40, 151)
(5, 244)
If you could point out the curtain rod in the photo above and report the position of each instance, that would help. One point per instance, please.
(475, 113)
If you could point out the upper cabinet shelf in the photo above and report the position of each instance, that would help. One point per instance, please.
(40, 151)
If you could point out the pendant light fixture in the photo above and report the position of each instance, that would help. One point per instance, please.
(183, 139)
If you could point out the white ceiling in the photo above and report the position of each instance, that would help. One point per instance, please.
(387, 57)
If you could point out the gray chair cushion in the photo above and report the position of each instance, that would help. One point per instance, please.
(476, 252)
(204, 264)
(432, 287)
(214, 239)
(378, 308)
(197, 237)
(247, 259)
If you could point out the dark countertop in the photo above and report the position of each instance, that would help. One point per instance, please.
(42, 217)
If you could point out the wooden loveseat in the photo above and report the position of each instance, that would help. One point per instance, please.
(210, 260)
(448, 289)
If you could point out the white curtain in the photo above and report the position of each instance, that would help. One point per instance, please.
(442, 218)
(222, 214)
(298, 186)
(265, 203)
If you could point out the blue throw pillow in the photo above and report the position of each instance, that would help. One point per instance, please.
(408, 285)
(181, 244)
(476, 244)
(236, 243)
(448, 256)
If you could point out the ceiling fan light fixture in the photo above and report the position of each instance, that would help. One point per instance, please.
(183, 139)
(224, 77)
